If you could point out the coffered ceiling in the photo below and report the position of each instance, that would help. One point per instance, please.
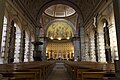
(59, 10)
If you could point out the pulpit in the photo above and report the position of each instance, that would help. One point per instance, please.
(37, 52)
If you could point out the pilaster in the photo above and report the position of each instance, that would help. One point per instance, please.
(116, 6)
(82, 43)
(92, 49)
(87, 57)
(101, 48)
(2, 10)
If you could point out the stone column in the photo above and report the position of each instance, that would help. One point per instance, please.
(82, 44)
(116, 6)
(37, 52)
(76, 43)
(87, 58)
(21, 41)
(113, 43)
(29, 48)
(26, 54)
(2, 9)
(12, 43)
(7, 44)
(43, 48)
(101, 48)
(92, 48)
(22, 46)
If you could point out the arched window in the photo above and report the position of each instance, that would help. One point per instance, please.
(4, 31)
(17, 43)
(96, 45)
(107, 42)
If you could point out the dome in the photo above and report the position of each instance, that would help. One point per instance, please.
(59, 10)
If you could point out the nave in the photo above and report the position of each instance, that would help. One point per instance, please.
(82, 34)
(59, 72)
(54, 70)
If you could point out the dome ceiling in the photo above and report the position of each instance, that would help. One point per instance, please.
(59, 10)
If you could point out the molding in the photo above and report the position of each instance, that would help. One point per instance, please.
(21, 13)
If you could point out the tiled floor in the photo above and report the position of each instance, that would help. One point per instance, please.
(59, 73)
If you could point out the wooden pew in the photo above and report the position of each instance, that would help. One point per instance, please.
(3, 78)
(36, 70)
(98, 76)
(20, 75)
(80, 70)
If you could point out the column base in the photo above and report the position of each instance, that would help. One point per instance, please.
(117, 69)
(37, 56)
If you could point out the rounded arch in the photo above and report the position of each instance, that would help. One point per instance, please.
(17, 20)
(92, 31)
(101, 22)
(6, 15)
(86, 37)
(52, 2)
(60, 20)
(27, 30)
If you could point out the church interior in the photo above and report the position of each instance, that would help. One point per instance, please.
(59, 39)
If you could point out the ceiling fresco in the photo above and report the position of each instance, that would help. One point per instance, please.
(59, 30)
(65, 9)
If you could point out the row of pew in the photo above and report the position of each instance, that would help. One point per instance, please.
(38, 70)
(85, 70)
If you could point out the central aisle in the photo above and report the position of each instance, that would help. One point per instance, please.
(59, 73)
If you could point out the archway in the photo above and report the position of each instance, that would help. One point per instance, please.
(57, 11)
(59, 45)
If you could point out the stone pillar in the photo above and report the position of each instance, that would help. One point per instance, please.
(12, 43)
(26, 54)
(76, 43)
(43, 49)
(92, 48)
(2, 9)
(22, 46)
(87, 57)
(37, 52)
(29, 48)
(101, 48)
(21, 41)
(7, 44)
(116, 6)
(113, 43)
(82, 44)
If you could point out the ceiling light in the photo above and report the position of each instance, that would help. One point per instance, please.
(68, 38)
(59, 38)
(51, 38)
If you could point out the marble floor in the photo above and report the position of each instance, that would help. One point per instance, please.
(59, 73)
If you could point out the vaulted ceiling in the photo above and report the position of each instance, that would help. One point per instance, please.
(34, 6)
(36, 10)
